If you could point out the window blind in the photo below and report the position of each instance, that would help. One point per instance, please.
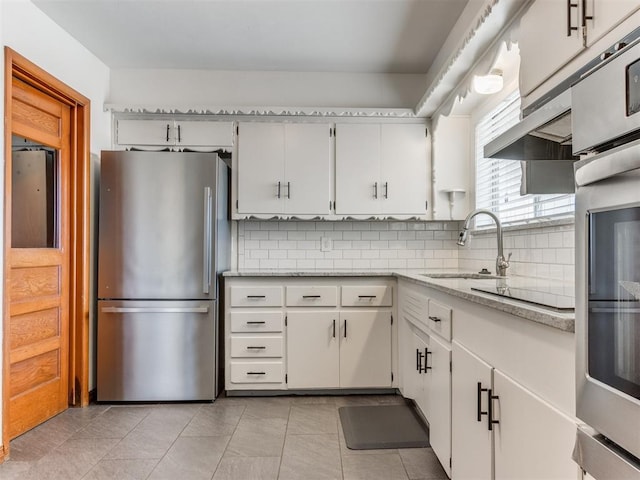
(498, 181)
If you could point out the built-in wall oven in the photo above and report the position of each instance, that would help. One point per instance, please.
(606, 123)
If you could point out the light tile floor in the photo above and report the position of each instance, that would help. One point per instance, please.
(238, 438)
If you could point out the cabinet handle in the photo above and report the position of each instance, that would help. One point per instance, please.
(386, 189)
(367, 296)
(570, 28)
(426, 357)
(260, 322)
(256, 373)
(311, 296)
(435, 319)
(491, 397)
(278, 191)
(179, 136)
(167, 132)
(345, 328)
(334, 328)
(585, 17)
(375, 190)
(418, 360)
(256, 348)
(479, 411)
(256, 296)
(289, 190)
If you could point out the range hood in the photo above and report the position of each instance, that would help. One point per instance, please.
(542, 142)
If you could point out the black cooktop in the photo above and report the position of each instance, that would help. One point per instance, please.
(534, 296)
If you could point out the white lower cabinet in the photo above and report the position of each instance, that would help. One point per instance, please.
(365, 349)
(339, 349)
(501, 430)
(313, 349)
(292, 333)
(426, 363)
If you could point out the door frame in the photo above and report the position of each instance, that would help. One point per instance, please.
(79, 224)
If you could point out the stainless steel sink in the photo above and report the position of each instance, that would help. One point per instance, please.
(472, 276)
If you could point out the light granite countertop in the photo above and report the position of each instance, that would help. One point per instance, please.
(463, 288)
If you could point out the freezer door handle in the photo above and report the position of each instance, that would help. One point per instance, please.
(155, 310)
(206, 253)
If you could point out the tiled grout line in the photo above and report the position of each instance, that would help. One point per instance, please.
(284, 442)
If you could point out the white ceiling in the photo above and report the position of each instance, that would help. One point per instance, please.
(363, 36)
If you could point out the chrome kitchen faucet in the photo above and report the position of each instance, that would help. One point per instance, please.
(501, 263)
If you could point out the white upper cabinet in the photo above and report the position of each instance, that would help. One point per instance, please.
(170, 132)
(284, 169)
(381, 169)
(552, 33)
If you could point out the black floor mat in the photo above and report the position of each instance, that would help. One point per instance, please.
(383, 426)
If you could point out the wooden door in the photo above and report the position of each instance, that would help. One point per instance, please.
(38, 270)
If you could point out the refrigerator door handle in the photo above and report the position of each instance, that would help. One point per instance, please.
(155, 310)
(206, 270)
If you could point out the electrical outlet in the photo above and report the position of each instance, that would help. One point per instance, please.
(326, 244)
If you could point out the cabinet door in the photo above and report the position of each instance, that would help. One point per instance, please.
(260, 168)
(418, 349)
(358, 189)
(544, 44)
(438, 393)
(313, 349)
(533, 439)
(606, 15)
(193, 133)
(307, 169)
(471, 438)
(403, 172)
(145, 132)
(365, 348)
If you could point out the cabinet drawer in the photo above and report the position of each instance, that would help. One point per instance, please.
(256, 296)
(248, 322)
(257, 346)
(439, 319)
(310, 296)
(257, 372)
(367, 296)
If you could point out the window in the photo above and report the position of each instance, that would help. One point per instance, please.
(498, 181)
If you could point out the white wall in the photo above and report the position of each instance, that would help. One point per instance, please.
(203, 88)
(29, 32)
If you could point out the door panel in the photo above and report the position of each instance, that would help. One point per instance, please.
(365, 349)
(38, 292)
(312, 349)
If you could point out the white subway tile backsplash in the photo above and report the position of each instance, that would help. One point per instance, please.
(373, 245)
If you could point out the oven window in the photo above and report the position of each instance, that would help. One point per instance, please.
(614, 299)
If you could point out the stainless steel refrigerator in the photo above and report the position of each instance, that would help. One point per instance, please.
(163, 237)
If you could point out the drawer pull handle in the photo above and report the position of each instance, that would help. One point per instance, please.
(345, 328)
(256, 322)
(435, 319)
(367, 296)
(479, 398)
(311, 296)
(256, 348)
(256, 373)
(256, 296)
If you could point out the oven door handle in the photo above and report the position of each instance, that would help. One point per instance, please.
(610, 163)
